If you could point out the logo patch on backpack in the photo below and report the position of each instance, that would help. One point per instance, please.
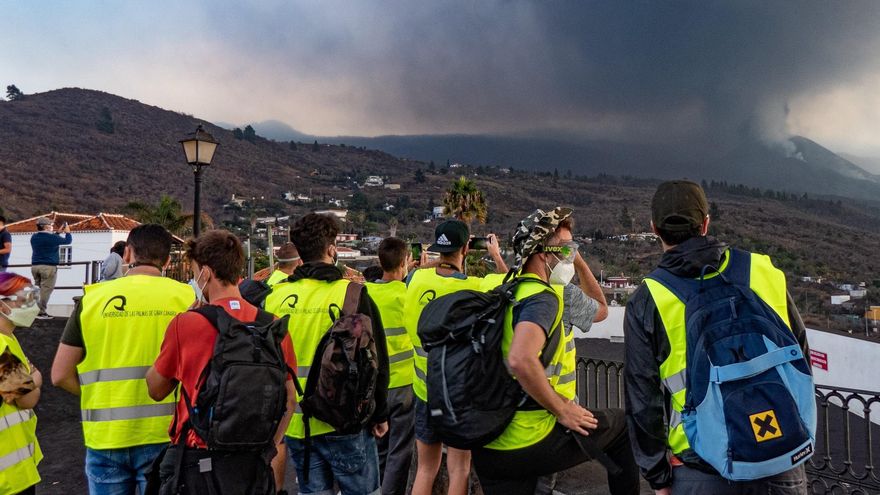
(798, 457)
(765, 426)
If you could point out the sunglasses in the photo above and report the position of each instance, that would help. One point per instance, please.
(565, 252)
(27, 297)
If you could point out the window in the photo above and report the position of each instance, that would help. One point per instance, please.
(65, 255)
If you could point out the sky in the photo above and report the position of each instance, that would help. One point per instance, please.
(631, 71)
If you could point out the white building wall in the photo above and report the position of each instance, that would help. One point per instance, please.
(86, 246)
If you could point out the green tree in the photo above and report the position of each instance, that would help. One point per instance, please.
(464, 201)
(250, 135)
(167, 213)
(13, 93)
(626, 219)
(293, 145)
(105, 122)
(420, 176)
(237, 134)
(714, 211)
(432, 168)
(315, 146)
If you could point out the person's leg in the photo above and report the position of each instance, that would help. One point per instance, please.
(279, 466)
(689, 481)
(49, 276)
(429, 457)
(354, 461)
(458, 463)
(612, 438)
(109, 473)
(142, 458)
(792, 482)
(398, 442)
(38, 282)
(320, 474)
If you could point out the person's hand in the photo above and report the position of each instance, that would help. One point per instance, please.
(663, 491)
(423, 258)
(66, 228)
(36, 375)
(380, 429)
(492, 245)
(576, 418)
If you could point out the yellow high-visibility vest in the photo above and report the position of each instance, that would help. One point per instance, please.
(276, 277)
(425, 286)
(19, 449)
(308, 302)
(123, 324)
(389, 298)
(530, 427)
(765, 280)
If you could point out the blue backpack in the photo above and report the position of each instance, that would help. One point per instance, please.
(750, 408)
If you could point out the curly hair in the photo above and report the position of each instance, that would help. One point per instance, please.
(10, 283)
(219, 250)
(313, 234)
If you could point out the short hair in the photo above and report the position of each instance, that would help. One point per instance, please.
(286, 252)
(373, 273)
(219, 250)
(2, 219)
(150, 243)
(118, 248)
(313, 234)
(392, 253)
(676, 237)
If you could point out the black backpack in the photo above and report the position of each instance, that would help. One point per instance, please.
(242, 395)
(471, 395)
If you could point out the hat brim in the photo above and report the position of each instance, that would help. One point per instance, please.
(437, 248)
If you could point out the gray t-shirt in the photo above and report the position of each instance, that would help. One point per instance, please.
(579, 309)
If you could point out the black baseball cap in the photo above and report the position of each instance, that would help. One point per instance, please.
(450, 236)
(679, 205)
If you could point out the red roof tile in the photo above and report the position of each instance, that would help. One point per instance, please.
(77, 222)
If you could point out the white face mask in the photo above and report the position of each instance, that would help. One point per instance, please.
(22, 317)
(562, 273)
(198, 289)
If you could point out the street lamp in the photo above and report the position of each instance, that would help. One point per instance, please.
(199, 148)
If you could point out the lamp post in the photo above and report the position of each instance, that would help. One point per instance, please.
(199, 148)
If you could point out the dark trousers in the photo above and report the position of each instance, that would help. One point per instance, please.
(32, 490)
(516, 472)
(396, 447)
(205, 472)
(689, 481)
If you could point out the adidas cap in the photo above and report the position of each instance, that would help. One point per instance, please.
(450, 236)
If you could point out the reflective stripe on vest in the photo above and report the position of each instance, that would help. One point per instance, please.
(308, 302)
(19, 450)
(767, 282)
(123, 325)
(530, 427)
(425, 286)
(389, 298)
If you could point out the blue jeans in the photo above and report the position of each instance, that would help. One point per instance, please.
(120, 471)
(351, 460)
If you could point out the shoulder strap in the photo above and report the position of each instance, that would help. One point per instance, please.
(264, 317)
(211, 313)
(739, 267)
(683, 288)
(352, 298)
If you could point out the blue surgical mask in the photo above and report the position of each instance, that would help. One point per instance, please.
(198, 289)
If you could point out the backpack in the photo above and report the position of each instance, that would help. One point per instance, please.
(340, 389)
(472, 396)
(243, 393)
(749, 409)
(254, 291)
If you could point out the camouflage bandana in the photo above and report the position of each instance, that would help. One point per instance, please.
(534, 230)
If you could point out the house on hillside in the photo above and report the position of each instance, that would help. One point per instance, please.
(336, 212)
(393, 187)
(347, 253)
(374, 181)
(93, 235)
(437, 212)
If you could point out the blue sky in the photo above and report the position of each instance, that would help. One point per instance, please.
(638, 71)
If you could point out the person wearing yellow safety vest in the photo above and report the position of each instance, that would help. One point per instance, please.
(395, 448)
(288, 259)
(109, 343)
(19, 450)
(425, 285)
(551, 431)
(654, 330)
(347, 459)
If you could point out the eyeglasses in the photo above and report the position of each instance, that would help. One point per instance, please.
(566, 252)
(27, 297)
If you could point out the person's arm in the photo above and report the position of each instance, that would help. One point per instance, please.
(591, 286)
(645, 402)
(494, 250)
(524, 362)
(111, 264)
(6, 248)
(159, 386)
(290, 359)
(64, 367)
(368, 308)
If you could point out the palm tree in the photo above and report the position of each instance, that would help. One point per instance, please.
(167, 213)
(465, 202)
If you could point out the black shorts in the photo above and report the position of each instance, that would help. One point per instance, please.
(424, 432)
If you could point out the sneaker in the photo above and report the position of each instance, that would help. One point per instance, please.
(44, 316)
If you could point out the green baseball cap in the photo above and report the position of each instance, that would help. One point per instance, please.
(679, 205)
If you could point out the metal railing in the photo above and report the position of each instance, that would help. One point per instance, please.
(91, 272)
(843, 462)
